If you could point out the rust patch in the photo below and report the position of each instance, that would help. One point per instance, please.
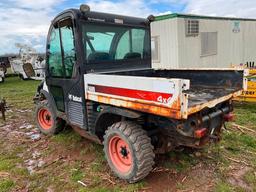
(212, 103)
(149, 107)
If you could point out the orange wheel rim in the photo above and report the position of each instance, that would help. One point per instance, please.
(120, 154)
(45, 118)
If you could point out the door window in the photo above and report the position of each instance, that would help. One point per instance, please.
(55, 58)
(62, 55)
(68, 45)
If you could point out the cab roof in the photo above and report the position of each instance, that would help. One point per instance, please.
(103, 17)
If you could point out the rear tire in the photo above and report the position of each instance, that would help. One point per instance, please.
(129, 151)
(48, 123)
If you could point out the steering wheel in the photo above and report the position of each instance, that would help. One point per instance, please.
(70, 61)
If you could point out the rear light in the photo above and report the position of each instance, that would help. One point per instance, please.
(229, 117)
(200, 133)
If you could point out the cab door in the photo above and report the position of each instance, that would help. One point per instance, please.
(62, 77)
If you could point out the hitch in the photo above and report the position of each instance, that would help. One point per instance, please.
(214, 138)
(3, 108)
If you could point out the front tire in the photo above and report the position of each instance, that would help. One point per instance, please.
(129, 151)
(47, 121)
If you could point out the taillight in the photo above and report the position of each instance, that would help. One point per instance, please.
(200, 133)
(229, 117)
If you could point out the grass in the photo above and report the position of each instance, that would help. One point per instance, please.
(64, 174)
(6, 185)
(18, 93)
(250, 177)
(246, 114)
(239, 146)
(180, 161)
(223, 187)
(77, 174)
(67, 137)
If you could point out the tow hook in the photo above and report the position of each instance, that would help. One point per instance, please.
(214, 138)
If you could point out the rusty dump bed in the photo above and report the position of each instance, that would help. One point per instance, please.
(200, 95)
(171, 93)
(208, 87)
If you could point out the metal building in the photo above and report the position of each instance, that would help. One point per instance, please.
(193, 41)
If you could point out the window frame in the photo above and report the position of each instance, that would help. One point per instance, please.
(145, 62)
(156, 39)
(201, 41)
(56, 25)
(188, 27)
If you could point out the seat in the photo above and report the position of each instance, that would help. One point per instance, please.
(99, 56)
(132, 55)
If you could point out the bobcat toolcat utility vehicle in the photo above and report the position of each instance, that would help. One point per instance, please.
(99, 80)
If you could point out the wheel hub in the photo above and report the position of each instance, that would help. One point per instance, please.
(124, 152)
(120, 154)
(45, 118)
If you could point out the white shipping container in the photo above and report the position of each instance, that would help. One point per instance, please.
(192, 41)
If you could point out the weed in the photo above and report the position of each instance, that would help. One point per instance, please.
(223, 187)
(6, 185)
(76, 175)
(250, 178)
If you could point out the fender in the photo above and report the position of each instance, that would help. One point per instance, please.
(50, 99)
(110, 115)
(119, 111)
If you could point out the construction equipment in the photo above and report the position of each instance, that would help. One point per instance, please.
(2, 76)
(3, 108)
(29, 65)
(249, 95)
(99, 80)
(4, 64)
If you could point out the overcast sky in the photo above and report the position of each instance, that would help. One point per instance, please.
(27, 21)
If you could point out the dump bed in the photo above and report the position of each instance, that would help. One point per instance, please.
(170, 93)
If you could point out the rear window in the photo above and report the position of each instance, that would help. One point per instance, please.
(114, 43)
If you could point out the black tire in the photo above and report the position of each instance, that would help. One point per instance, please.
(57, 124)
(140, 148)
(23, 78)
(5, 69)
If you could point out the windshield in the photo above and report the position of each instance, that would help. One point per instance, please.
(115, 43)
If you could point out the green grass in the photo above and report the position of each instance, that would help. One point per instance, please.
(67, 137)
(77, 174)
(250, 177)
(18, 93)
(8, 160)
(6, 185)
(8, 164)
(65, 174)
(239, 146)
(246, 114)
(223, 187)
(180, 161)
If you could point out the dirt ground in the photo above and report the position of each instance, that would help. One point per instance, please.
(30, 161)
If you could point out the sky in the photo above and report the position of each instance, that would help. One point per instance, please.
(27, 21)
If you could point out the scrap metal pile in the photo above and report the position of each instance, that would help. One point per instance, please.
(28, 65)
(3, 108)
(2, 76)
